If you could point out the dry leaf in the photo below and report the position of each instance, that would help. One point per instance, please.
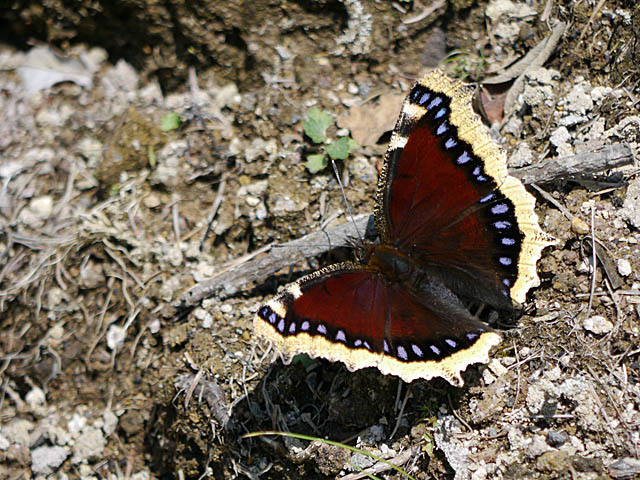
(368, 122)
(42, 69)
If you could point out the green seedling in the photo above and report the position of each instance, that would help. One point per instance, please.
(315, 127)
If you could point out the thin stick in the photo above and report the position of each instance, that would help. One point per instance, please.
(344, 197)
(612, 156)
(593, 260)
(407, 395)
(214, 209)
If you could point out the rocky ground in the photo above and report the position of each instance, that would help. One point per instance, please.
(145, 149)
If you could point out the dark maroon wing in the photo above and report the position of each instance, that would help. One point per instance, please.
(445, 199)
(354, 315)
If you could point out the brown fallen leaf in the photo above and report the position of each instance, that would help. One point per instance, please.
(368, 122)
(489, 101)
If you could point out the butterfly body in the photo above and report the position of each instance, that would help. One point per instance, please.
(451, 224)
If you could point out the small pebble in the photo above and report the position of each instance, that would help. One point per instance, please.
(154, 326)
(488, 377)
(46, 460)
(597, 324)
(4, 443)
(556, 439)
(497, 368)
(77, 423)
(89, 445)
(252, 201)
(110, 420)
(151, 201)
(579, 226)
(553, 461)
(116, 336)
(35, 397)
(42, 207)
(624, 267)
(207, 320)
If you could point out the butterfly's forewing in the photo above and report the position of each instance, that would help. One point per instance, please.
(444, 197)
(352, 314)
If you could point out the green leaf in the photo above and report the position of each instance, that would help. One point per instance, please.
(316, 162)
(170, 121)
(341, 148)
(316, 124)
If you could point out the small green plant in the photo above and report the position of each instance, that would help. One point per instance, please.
(170, 121)
(315, 127)
(463, 64)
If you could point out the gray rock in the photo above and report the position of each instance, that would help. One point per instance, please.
(597, 324)
(49, 429)
(556, 439)
(576, 105)
(92, 274)
(542, 76)
(110, 422)
(42, 69)
(77, 423)
(624, 267)
(39, 209)
(521, 157)
(89, 445)
(362, 169)
(536, 396)
(579, 99)
(361, 461)
(4, 442)
(91, 149)
(458, 454)
(516, 438)
(561, 139)
(41, 206)
(493, 401)
(35, 397)
(624, 468)
(169, 164)
(580, 391)
(537, 447)
(46, 460)
(122, 77)
(372, 435)
(18, 431)
(260, 149)
(630, 210)
(536, 96)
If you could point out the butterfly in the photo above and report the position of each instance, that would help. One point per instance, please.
(452, 226)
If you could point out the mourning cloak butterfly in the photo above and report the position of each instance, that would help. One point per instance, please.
(452, 223)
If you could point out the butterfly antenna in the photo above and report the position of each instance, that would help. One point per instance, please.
(346, 202)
